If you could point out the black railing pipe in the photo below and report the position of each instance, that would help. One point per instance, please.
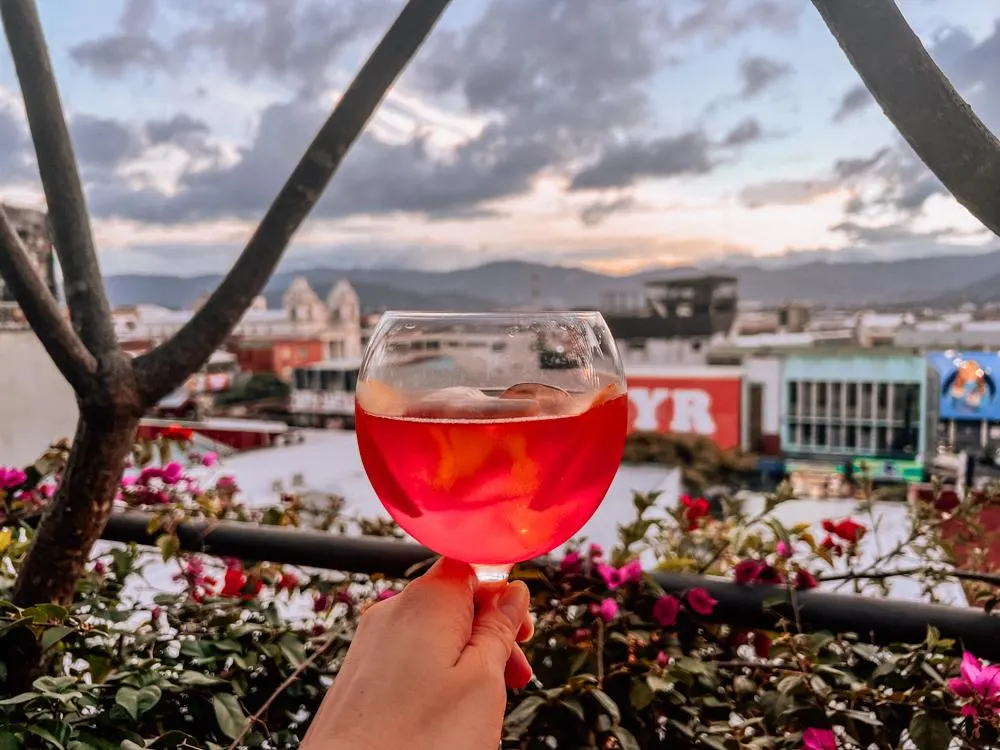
(876, 620)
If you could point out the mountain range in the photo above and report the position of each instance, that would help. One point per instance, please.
(936, 280)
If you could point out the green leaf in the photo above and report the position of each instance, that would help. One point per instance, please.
(53, 635)
(148, 697)
(229, 714)
(46, 735)
(293, 649)
(128, 698)
(42, 614)
(519, 720)
(19, 699)
(168, 544)
(607, 705)
(929, 733)
(640, 695)
(626, 739)
(9, 741)
(197, 679)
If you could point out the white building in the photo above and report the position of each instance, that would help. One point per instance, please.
(335, 321)
(37, 405)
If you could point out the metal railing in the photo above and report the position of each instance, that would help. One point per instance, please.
(875, 620)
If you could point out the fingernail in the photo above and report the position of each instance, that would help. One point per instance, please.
(513, 602)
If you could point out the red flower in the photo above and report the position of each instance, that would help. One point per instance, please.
(701, 602)
(694, 510)
(176, 432)
(947, 502)
(570, 564)
(234, 582)
(848, 529)
(665, 610)
(321, 603)
(804, 580)
(756, 571)
(288, 582)
(614, 577)
(830, 544)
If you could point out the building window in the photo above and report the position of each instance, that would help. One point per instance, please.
(836, 400)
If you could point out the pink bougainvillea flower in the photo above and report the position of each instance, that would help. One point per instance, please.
(172, 473)
(701, 602)
(662, 659)
(819, 739)
(321, 603)
(570, 564)
(978, 682)
(614, 577)
(385, 594)
(47, 490)
(607, 610)
(631, 572)
(804, 580)
(226, 483)
(209, 459)
(234, 582)
(346, 597)
(783, 549)
(756, 571)
(595, 551)
(665, 610)
(11, 477)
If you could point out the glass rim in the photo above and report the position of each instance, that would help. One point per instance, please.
(444, 314)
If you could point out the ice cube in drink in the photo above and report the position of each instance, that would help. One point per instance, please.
(493, 480)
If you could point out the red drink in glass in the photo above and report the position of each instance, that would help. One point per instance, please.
(493, 491)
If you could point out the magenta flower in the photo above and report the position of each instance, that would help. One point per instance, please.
(819, 739)
(226, 483)
(783, 549)
(756, 571)
(210, 459)
(11, 477)
(608, 610)
(595, 551)
(662, 659)
(172, 473)
(665, 610)
(804, 580)
(128, 480)
(701, 602)
(631, 572)
(615, 577)
(980, 683)
(385, 594)
(570, 564)
(48, 489)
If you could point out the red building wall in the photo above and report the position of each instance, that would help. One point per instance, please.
(670, 403)
(279, 356)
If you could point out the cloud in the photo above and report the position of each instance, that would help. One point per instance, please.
(625, 164)
(131, 46)
(597, 211)
(854, 100)
(745, 132)
(17, 157)
(761, 73)
(785, 192)
(103, 143)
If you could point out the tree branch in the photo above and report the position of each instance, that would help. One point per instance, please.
(42, 311)
(163, 369)
(920, 101)
(82, 283)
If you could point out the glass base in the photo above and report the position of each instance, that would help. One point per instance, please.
(492, 573)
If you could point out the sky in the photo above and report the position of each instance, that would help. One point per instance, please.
(611, 135)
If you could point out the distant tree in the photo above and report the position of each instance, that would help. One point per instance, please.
(112, 389)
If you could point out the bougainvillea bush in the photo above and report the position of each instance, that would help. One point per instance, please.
(231, 653)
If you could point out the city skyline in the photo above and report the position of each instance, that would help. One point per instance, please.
(614, 138)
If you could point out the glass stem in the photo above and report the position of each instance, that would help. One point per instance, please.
(492, 573)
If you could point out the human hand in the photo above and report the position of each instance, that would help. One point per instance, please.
(428, 668)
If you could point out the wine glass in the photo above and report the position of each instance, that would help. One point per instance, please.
(491, 438)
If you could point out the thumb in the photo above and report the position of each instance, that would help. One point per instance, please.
(495, 629)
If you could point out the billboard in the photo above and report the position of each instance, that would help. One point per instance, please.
(687, 403)
(967, 386)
